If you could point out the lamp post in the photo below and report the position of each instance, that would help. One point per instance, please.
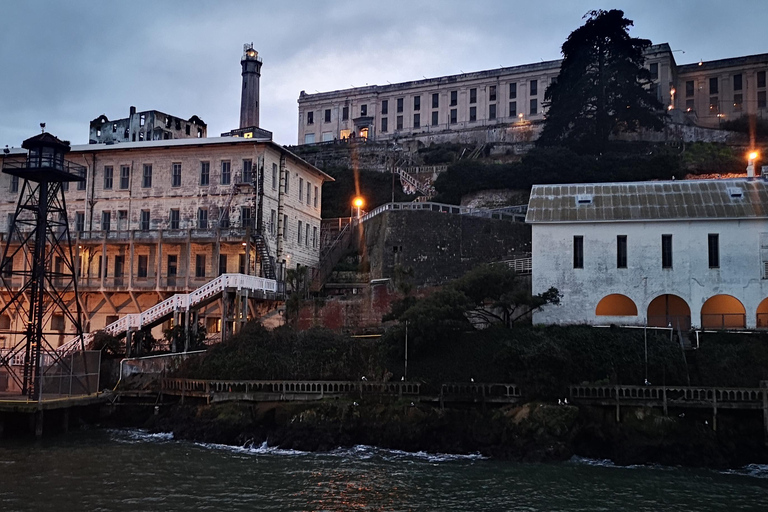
(358, 203)
(751, 157)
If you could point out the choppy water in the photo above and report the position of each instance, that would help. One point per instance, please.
(124, 470)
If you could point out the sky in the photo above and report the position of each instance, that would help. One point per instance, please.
(67, 62)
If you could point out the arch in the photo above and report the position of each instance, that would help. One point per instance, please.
(762, 315)
(723, 312)
(616, 304)
(669, 309)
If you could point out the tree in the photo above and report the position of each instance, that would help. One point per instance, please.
(602, 87)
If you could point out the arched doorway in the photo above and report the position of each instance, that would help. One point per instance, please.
(762, 315)
(616, 304)
(723, 312)
(668, 309)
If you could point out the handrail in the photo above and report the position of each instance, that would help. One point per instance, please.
(177, 302)
(668, 393)
(323, 387)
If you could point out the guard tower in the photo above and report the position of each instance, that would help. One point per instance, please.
(42, 285)
(249, 100)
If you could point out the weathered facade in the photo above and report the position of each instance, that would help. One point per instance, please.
(678, 253)
(156, 218)
(707, 92)
(146, 125)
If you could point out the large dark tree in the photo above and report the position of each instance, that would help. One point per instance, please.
(603, 87)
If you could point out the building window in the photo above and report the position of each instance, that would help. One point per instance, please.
(737, 85)
(435, 100)
(399, 125)
(666, 251)
(512, 91)
(202, 218)
(285, 227)
(491, 111)
(306, 234)
(654, 70)
(417, 103)
(143, 265)
(144, 220)
(315, 197)
(454, 116)
(125, 173)
(473, 95)
(272, 222)
(621, 251)
(327, 115)
(287, 181)
(205, 173)
(363, 110)
(199, 265)
(106, 220)
(737, 101)
(222, 264)
(344, 113)
(534, 106)
(384, 107)
(246, 216)
(309, 192)
(512, 109)
(435, 117)
(713, 86)
(534, 87)
(578, 251)
(298, 234)
(122, 220)
(79, 222)
(81, 184)
(761, 79)
(417, 120)
(714, 106)
(713, 250)
(57, 322)
(688, 88)
(492, 93)
(14, 183)
(473, 113)
(399, 105)
(310, 118)
(107, 177)
(274, 176)
(176, 175)
(689, 105)
(384, 126)
(248, 171)
(314, 237)
(454, 98)
(146, 178)
(301, 189)
(761, 99)
(174, 221)
(226, 172)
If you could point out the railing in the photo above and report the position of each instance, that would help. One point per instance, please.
(179, 302)
(671, 394)
(723, 321)
(484, 390)
(521, 266)
(762, 320)
(681, 322)
(447, 208)
(426, 189)
(207, 388)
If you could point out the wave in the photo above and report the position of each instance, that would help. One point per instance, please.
(753, 470)
(251, 448)
(608, 463)
(368, 452)
(133, 436)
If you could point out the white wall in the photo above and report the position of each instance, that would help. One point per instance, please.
(739, 275)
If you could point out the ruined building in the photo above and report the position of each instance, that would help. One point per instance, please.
(147, 125)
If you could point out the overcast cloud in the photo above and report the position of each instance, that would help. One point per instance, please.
(66, 63)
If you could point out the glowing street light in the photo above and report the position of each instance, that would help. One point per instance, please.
(752, 156)
(358, 203)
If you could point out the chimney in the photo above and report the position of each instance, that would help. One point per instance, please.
(133, 110)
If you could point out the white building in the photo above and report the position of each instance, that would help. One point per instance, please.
(685, 253)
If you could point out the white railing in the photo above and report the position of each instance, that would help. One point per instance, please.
(427, 190)
(519, 265)
(180, 302)
(447, 208)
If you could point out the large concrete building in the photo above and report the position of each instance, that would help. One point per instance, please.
(707, 92)
(146, 125)
(155, 218)
(680, 253)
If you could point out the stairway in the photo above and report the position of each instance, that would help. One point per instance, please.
(267, 264)
(181, 302)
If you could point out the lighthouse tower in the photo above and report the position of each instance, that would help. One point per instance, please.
(249, 101)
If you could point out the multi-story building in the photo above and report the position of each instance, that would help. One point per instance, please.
(155, 218)
(709, 92)
(677, 253)
(147, 125)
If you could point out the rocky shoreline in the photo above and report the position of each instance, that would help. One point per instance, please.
(530, 432)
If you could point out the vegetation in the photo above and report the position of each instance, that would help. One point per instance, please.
(708, 158)
(375, 187)
(749, 125)
(602, 87)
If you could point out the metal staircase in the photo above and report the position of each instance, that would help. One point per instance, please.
(181, 302)
(267, 264)
(428, 190)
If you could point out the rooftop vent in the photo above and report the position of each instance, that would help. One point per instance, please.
(583, 199)
(735, 192)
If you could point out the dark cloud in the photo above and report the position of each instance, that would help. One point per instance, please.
(65, 63)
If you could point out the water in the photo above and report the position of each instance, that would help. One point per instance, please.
(124, 470)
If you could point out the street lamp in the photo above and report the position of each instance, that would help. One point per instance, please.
(358, 203)
(752, 156)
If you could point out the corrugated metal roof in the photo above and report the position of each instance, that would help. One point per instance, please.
(649, 200)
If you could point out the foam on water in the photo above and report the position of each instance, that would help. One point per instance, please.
(251, 448)
(753, 470)
(133, 436)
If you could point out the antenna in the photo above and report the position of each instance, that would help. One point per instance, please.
(42, 127)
